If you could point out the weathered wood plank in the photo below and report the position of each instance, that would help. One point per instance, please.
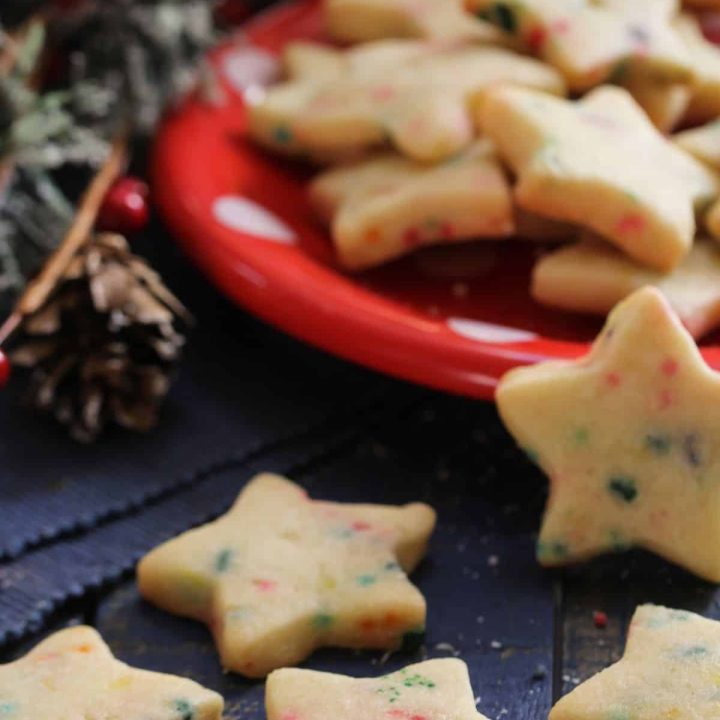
(616, 585)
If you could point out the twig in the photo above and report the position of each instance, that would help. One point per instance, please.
(79, 233)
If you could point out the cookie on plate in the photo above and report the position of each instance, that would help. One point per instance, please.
(592, 276)
(387, 206)
(627, 436)
(363, 20)
(600, 163)
(72, 674)
(431, 689)
(592, 42)
(280, 575)
(704, 144)
(415, 96)
(669, 670)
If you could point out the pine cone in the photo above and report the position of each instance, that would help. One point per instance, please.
(104, 345)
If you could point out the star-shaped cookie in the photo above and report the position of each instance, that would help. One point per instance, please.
(363, 20)
(387, 206)
(704, 60)
(430, 690)
(280, 575)
(670, 671)
(704, 143)
(627, 436)
(416, 96)
(601, 164)
(596, 41)
(72, 674)
(592, 276)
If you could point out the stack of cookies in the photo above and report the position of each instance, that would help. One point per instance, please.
(539, 120)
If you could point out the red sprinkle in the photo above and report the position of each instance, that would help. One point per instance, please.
(536, 38)
(360, 526)
(670, 367)
(613, 379)
(665, 399)
(600, 619)
(560, 26)
(631, 223)
(264, 585)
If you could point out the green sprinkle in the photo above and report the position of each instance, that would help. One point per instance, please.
(282, 135)
(366, 580)
(532, 455)
(322, 621)
(6, 708)
(418, 680)
(502, 15)
(186, 710)
(552, 550)
(658, 444)
(223, 560)
(618, 542)
(623, 488)
(694, 651)
(618, 714)
(392, 566)
(412, 640)
(581, 436)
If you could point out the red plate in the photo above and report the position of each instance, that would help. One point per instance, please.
(455, 318)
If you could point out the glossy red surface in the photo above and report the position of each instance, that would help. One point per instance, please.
(454, 318)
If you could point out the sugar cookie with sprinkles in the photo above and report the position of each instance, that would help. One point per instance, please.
(704, 143)
(592, 276)
(592, 42)
(363, 20)
(280, 575)
(670, 669)
(627, 436)
(415, 96)
(388, 206)
(599, 163)
(704, 60)
(72, 674)
(430, 690)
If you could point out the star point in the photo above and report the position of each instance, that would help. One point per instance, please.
(627, 437)
(425, 691)
(599, 163)
(670, 669)
(73, 674)
(280, 575)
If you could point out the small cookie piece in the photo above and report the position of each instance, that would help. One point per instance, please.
(670, 669)
(627, 436)
(592, 277)
(704, 60)
(599, 163)
(432, 689)
(280, 575)
(414, 95)
(388, 206)
(592, 42)
(72, 674)
(364, 20)
(704, 144)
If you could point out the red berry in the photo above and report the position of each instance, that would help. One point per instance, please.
(231, 12)
(710, 23)
(125, 207)
(4, 369)
(600, 619)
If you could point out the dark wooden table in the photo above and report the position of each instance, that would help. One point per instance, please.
(74, 519)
